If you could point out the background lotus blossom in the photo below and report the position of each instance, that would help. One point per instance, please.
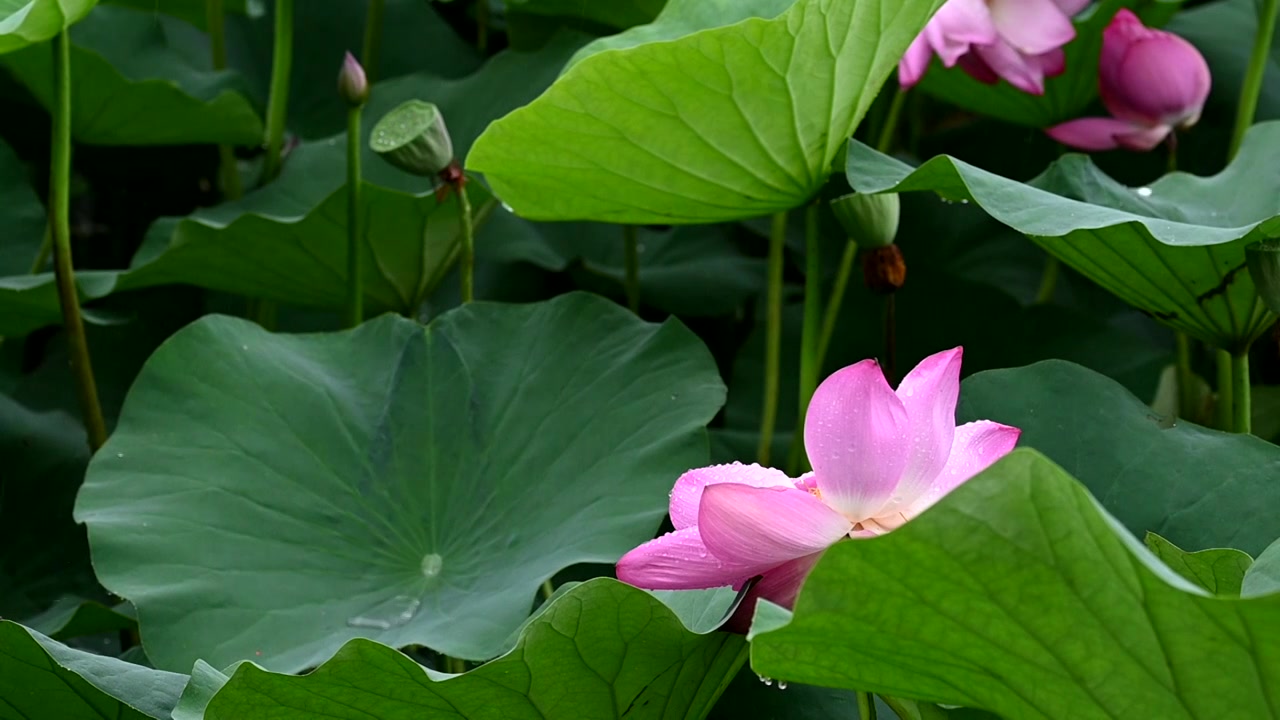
(1018, 40)
(1151, 82)
(879, 457)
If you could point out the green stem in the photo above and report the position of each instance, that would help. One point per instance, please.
(548, 589)
(810, 337)
(215, 19)
(60, 229)
(468, 244)
(355, 222)
(1253, 76)
(1242, 405)
(372, 39)
(456, 666)
(891, 338)
(866, 706)
(1226, 408)
(46, 247)
(631, 249)
(1048, 280)
(482, 26)
(773, 337)
(1186, 380)
(278, 99)
(834, 304)
(887, 131)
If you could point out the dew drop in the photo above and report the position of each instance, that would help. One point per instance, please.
(432, 565)
(766, 681)
(507, 207)
(119, 455)
(1144, 191)
(387, 614)
(782, 684)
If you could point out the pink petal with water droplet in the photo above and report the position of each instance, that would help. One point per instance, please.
(678, 561)
(688, 489)
(761, 528)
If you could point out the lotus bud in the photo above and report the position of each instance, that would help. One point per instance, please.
(413, 137)
(869, 220)
(1264, 265)
(353, 85)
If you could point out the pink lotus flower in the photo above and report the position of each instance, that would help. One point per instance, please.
(879, 458)
(1018, 40)
(1151, 82)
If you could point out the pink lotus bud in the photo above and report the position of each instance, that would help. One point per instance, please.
(353, 86)
(1151, 76)
(1151, 81)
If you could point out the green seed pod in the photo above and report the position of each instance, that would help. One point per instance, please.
(413, 137)
(869, 220)
(1264, 265)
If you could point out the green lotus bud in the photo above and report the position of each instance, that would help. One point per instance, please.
(869, 220)
(1264, 265)
(353, 85)
(413, 137)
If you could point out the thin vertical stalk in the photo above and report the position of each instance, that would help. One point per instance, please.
(810, 334)
(773, 337)
(215, 20)
(60, 228)
(631, 250)
(482, 26)
(1242, 401)
(891, 339)
(1252, 87)
(468, 261)
(548, 589)
(887, 131)
(278, 99)
(1226, 406)
(866, 706)
(1186, 380)
(372, 51)
(46, 247)
(1048, 280)
(355, 222)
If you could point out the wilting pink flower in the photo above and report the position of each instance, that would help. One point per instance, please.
(1151, 82)
(1018, 40)
(879, 458)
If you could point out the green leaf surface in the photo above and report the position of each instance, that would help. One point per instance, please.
(42, 678)
(724, 123)
(72, 617)
(192, 11)
(410, 486)
(1066, 96)
(43, 554)
(136, 84)
(1263, 577)
(681, 17)
(602, 650)
(1199, 488)
(22, 216)
(1174, 249)
(617, 13)
(28, 22)
(1218, 570)
(1015, 594)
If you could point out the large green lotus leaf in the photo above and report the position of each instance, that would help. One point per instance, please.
(1017, 595)
(683, 17)
(28, 22)
(1219, 570)
(601, 650)
(1152, 477)
(22, 216)
(1223, 32)
(73, 617)
(723, 123)
(42, 678)
(409, 486)
(1066, 96)
(1174, 249)
(134, 85)
(618, 13)
(191, 11)
(43, 554)
(1263, 577)
(415, 39)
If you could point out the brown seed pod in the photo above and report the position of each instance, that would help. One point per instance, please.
(884, 269)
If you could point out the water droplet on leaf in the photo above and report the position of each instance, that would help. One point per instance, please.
(387, 614)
